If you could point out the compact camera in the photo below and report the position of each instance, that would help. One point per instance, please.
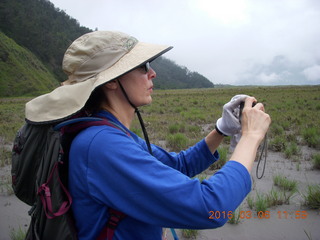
(241, 108)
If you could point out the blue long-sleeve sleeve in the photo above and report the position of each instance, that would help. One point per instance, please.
(110, 169)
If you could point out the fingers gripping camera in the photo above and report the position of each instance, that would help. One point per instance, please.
(229, 124)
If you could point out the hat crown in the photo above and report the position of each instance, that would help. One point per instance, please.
(91, 61)
(95, 52)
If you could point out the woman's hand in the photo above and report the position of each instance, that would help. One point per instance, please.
(229, 123)
(255, 124)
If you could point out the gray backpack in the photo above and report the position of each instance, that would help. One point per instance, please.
(40, 178)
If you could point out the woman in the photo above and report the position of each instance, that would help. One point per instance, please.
(110, 77)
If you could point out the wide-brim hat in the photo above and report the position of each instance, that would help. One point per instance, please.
(91, 61)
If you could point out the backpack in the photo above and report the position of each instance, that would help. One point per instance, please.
(40, 178)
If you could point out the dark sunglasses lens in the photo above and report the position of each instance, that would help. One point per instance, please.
(147, 67)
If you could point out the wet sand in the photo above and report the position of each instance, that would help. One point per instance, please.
(279, 226)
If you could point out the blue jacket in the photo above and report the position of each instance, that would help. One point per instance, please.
(110, 169)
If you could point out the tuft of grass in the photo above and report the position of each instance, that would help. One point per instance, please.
(298, 166)
(275, 198)
(287, 195)
(6, 185)
(311, 136)
(278, 144)
(316, 161)
(175, 128)
(276, 129)
(137, 131)
(5, 156)
(284, 183)
(18, 234)
(312, 197)
(291, 149)
(194, 129)
(201, 177)
(250, 201)
(261, 203)
(223, 152)
(235, 219)
(189, 233)
(177, 141)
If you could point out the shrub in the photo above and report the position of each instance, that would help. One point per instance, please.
(223, 152)
(189, 233)
(261, 203)
(316, 161)
(235, 219)
(276, 130)
(278, 144)
(174, 128)
(275, 198)
(291, 150)
(284, 183)
(137, 131)
(250, 201)
(311, 136)
(18, 234)
(177, 141)
(5, 155)
(312, 198)
(194, 129)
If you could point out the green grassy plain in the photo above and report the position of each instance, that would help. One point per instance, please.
(181, 116)
(295, 113)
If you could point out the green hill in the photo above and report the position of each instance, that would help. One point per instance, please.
(172, 76)
(47, 31)
(21, 72)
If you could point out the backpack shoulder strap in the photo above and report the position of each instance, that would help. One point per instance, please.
(78, 124)
(114, 219)
(75, 126)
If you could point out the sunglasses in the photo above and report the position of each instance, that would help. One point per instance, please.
(146, 67)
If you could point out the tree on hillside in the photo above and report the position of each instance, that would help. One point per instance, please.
(171, 75)
(47, 32)
(39, 26)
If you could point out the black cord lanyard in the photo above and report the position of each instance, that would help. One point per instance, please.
(264, 146)
(145, 134)
(264, 151)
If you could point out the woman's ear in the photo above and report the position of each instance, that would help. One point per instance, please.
(111, 85)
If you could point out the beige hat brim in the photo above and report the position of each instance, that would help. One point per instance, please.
(67, 100)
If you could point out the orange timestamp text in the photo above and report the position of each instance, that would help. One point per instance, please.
(258, 215)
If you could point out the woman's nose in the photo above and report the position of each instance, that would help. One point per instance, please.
(151, 73)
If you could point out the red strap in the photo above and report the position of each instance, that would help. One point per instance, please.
(45, 196)
(79, 126)
(114, 218)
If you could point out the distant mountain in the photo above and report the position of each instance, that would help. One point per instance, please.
(47, 32)
(172, 76)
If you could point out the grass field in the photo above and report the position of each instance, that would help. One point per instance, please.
(182, 117)
(295, 113)
(179, 118)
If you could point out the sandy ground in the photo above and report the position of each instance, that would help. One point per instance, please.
(14, 213)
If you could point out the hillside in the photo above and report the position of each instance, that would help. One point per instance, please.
(172, 76)
(40, 27)
(21, 72)
(47, 31)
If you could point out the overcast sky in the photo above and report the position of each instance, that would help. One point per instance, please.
(261, 42)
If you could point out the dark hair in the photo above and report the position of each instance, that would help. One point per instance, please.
(94, 102)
